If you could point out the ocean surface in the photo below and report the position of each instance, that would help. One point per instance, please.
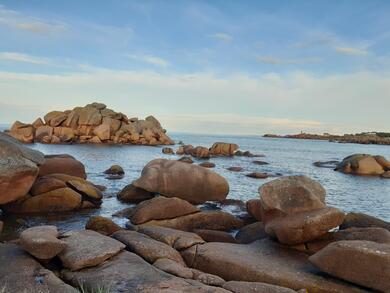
(369, 195)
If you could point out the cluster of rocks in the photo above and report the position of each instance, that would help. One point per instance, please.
(94, 123)
(172, 245)
(363, 164)
(31, 182)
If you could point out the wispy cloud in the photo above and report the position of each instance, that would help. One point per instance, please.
(19, 21)
(279, 61)
(351, 51)
(154, 60)
(20, 57)
(222, 37)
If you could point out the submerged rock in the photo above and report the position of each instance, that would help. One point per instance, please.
(196, 184)
(363, 164)
(115, 170)
(257, 175)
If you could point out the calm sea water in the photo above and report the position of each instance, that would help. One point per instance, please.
(370, 195)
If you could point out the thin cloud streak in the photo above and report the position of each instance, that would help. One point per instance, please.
(351, 51)
(154, 60)
(222, 37)
(20, 57)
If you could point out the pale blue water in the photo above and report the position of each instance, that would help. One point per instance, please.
(369, 195)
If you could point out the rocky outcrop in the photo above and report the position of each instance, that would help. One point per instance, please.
(128, 272)
(223, 149)
(263, 261)
(18, 169)
(255, 287)
(362, 262)
(196, 184)
(363, 164)
(77, 194)
(293, 210)
(42, 242)
(93, 123)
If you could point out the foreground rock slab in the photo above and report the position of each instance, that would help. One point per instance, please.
(86, 248)
(42, 242)
(254, 287)
(263, 261)
(127, 272)
(362, 262)
(149, 249)
(19, 272)
(196, 184)
(175, 238)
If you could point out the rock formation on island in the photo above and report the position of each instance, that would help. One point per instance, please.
(363, 164)
(93, 123)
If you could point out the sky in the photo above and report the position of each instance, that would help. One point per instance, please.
(218, 67)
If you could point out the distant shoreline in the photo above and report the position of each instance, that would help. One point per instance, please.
(380, 138)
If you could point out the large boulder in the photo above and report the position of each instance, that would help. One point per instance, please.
(200, 152)
(363, 164)
(223, 149)
(42, 242)
(87, 248)
(304, 226)
(146, 247)
(253, 206)
(89, 116)
(58, 200)
(127, 272)
(361, 262)
(133, 194)
(209, 220)
(289, 195)
(263, 261)
(22, 132)
(45, 184)
(18, 168)
(102, 131)
(63, 164)
(177, 179)
(160, 208)
(250, 233)
(55, 118)
(19, 272)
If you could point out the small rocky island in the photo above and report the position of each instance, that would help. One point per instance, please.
(382, 138)
(175, 240)
(93, 123)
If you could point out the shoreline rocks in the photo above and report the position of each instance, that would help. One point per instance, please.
(363, 164)
(93, 123)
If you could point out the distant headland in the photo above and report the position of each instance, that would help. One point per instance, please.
(361, 138)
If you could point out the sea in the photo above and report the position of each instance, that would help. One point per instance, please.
(366, 194)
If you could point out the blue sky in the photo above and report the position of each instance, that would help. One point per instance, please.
(237, 67)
